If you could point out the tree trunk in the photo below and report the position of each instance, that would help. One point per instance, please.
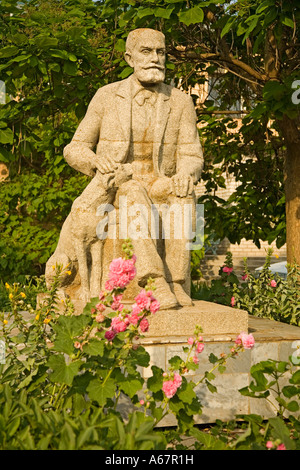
(291, 136)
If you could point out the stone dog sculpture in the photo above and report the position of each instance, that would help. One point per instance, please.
(138, 140)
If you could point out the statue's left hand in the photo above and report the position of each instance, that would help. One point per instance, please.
(122, 174)
(182, 184)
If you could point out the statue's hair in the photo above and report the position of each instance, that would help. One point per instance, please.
(134, 35)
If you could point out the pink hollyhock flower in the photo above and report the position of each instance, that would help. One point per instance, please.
(195, 359)
(119, 280)
(128, 265)
(77, 345)
(142, 402)
(170, 386)
(273, 283)
(247, 341)
(143, 300)
(118, 324)
(102, 295)
(110, 334)
(244, 277)
(269, 444)
(154, 306)
(199, 347)
(117, 266)
(190, 341)
(136, 309)
(133, 319)
(281, 447)
(144, 325)
(227, 270)
(232, 301)
(177, 380)
(121, 272)
(109, 285)
(100, 307)
(100, 317)
(116, 305)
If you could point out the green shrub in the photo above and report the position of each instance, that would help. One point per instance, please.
(263, 295)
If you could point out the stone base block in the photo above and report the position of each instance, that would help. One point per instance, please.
(214, 319)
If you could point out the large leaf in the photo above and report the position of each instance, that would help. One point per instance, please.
(67, 329)
(94, 347)
(6, 136)
(130, 384)
(8, 51)
(186, 392)
(61, 372)
(44, 42)
(100, 391)
(191, 16)
(155, 382)
(282, 432)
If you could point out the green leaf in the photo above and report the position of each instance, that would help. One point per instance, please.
(207, 440)
(130, 385)
(13, 426)
(67, 329)
(163, 12)
(292, 406)
(8, 51)
(155, 382)
(273, 90)
(145, 12)
(70, 68)
(191, 16)
(94, 347)
(211, 387)
(288, 22)
(140, 356)
(120, 45)
(60, 53)
(212, 358)
(282, 432)
(175, 362)
(44, 42)
(228, 25)
(6, 136)
(100, 391)
(295, 379)
(126, 72)
(264, 5)
(61, 372)
(186, 392)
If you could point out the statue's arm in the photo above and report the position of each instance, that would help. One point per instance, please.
(79, 153)
(189, 149)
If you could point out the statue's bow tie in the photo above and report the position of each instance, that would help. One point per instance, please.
(144, 95)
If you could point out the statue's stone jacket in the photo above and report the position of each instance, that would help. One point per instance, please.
(106, 130)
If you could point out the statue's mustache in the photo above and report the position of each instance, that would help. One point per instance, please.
(154, 67)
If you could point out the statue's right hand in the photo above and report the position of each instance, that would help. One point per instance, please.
(107, 165)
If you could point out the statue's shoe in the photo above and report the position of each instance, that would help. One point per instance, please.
(182, 297)
(164, 294)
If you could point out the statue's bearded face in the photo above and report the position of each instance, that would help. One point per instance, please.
(148, 58)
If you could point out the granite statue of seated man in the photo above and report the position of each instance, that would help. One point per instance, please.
(138, 140)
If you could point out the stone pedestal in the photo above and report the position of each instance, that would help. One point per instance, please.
(273, 340)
